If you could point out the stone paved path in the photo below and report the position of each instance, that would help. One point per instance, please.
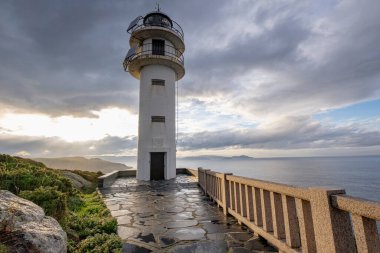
(174, 216)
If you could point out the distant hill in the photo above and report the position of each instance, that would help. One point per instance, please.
(216, 157)
(81, 163)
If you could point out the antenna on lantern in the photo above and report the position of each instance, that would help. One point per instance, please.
(158, 6)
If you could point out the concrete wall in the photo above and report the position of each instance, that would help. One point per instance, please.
(188, 171)
(108, 179)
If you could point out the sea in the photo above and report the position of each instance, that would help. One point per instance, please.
(359, 175)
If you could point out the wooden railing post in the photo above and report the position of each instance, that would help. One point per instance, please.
(206, 183)
(200, 177)
(332, 227)
(225, 193)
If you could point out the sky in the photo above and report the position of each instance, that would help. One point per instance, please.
(263, 78)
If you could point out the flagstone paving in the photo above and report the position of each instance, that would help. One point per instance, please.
(174, 216)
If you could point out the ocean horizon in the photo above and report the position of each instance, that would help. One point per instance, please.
(358, 175)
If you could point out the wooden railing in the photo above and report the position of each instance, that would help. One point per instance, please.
(296, 219)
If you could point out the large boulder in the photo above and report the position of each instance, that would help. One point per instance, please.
(25, 228)
(76, 180)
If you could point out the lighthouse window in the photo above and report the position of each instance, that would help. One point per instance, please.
(158, 47)
(159, 82)
(158, 118)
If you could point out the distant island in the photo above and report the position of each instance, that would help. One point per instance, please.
(82, 163)
(216, 157)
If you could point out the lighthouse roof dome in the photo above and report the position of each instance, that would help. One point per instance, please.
(158, 18)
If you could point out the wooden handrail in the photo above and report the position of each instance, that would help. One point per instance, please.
(296, 219)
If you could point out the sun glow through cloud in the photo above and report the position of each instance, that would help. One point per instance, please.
(110, 122)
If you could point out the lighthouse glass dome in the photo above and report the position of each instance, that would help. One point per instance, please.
(157, 19)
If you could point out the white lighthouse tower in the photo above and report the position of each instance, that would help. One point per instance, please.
(156, 59)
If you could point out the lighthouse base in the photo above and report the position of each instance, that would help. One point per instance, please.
(157, 164)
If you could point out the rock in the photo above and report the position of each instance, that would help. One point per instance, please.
(127, 232)
(187, 234)
(239, 250)
(201, 247)
(181, 223)
(27, 228)
(237, 239)
(132, 248)
(239, 236)
(166, 241)
(78, 181)
(216, 236)
(259, 244)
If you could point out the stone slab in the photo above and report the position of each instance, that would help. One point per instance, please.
(172, 216)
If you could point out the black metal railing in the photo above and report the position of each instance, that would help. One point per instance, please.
(176, 28)
(150, 49)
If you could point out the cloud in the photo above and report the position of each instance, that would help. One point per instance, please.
(285, 133)
(299, 64)
(288, 133)
(64, 62)
(265, 67)
(59, 59)
(53, 146)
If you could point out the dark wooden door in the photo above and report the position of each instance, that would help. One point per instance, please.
(157, 166)
(158, 47)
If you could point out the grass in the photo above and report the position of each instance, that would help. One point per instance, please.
(82, 214)
(4, 248)
(90, 227)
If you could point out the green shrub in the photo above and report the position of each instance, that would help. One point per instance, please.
(53, 202)
(89, 224)
(17, 174)
(3, 248)
(100, 243)
(75, 203)
(84, 217)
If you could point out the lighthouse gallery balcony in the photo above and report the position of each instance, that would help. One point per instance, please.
(145, 51)
(152, 53)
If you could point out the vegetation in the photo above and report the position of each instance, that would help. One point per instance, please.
(53, 201)
(3, 248)
(82, 214)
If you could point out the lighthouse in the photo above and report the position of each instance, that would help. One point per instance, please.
(156, 59)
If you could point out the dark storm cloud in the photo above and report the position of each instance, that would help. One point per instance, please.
(289, 133)
(220, 69)
(65, 57)
(317, 62)
(39, 146)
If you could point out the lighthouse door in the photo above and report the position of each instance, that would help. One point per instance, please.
(157, 166)
(158, 47)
